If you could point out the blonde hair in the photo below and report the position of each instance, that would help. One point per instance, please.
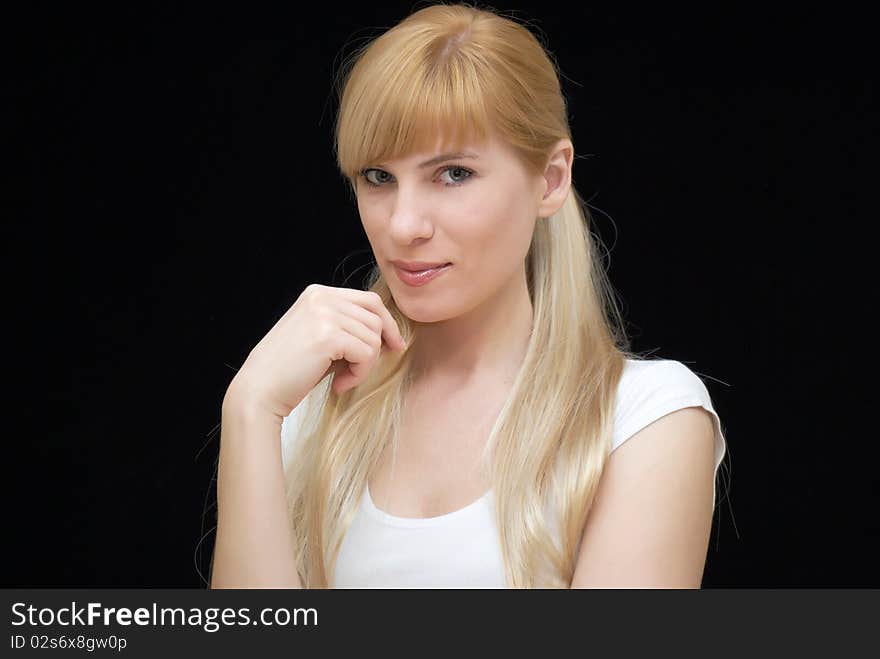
(461, 70)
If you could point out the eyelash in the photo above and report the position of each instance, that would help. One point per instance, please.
(363, 175)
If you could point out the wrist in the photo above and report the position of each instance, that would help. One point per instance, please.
(243, 400)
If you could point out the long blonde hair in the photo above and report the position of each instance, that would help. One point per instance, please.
(462, 70)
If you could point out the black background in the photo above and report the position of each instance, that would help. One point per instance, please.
(170, 192)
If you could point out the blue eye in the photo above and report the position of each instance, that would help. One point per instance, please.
(383, 174)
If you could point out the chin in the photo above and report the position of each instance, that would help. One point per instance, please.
(423, 311)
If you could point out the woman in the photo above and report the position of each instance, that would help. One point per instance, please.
(474, 418)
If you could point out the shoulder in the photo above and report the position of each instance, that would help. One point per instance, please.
(651, 389)
(650, 518)
(649, 523)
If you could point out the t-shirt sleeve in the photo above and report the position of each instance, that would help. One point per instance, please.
(650, 389)
(290, 426)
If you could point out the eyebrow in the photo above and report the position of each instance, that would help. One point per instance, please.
(443, 157)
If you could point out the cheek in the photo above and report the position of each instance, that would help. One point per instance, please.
(369, 219)
(499, 224)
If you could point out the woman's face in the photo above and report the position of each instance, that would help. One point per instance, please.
(477, 213)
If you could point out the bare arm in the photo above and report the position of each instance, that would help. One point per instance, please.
(650, 523)
(328, 329)
(254, 547)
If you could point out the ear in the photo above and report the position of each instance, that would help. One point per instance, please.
(556, 179)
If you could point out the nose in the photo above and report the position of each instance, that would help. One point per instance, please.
(409, 219)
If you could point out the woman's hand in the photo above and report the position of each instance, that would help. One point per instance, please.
(327, 329)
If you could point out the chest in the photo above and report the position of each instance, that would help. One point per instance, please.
(437, 469)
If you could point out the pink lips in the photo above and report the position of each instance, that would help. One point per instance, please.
(420, 277)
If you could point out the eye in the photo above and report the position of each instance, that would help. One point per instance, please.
(383, 176)
(456, 168)
(365, 174)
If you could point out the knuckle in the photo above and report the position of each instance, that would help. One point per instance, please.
(308, 296)
(326, 331)
(321, 312)
(316, 291)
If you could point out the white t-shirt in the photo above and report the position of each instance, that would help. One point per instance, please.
(461, 549)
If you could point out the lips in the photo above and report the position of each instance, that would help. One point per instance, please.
(418, 266)
(420, 277)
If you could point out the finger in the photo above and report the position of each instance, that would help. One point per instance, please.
(371, 320)
(373, 323)
(357, 366)
(355, 324)
(390, 331)
(360, 356)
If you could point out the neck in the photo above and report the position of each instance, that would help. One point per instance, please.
(485, 344)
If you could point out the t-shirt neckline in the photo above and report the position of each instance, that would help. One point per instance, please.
(415, 522)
